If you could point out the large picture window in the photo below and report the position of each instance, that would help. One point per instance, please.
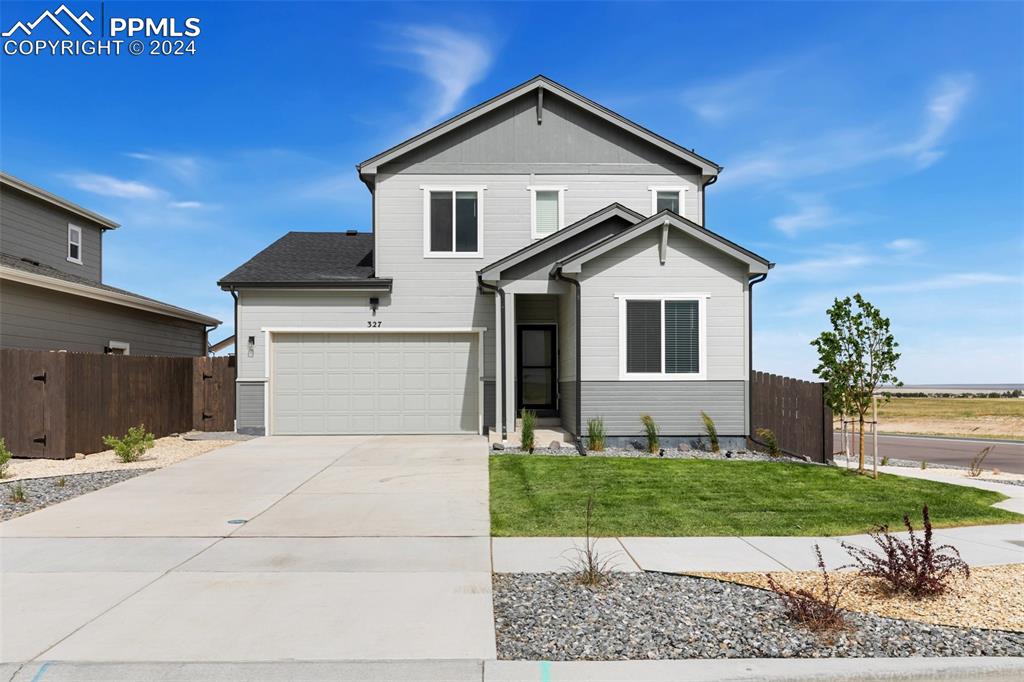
(663, 337)
(452, 222)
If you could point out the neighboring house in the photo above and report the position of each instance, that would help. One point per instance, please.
(52, 295)
(537, 251)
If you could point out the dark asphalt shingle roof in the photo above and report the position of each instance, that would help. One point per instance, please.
(31, 266)
(312, 258)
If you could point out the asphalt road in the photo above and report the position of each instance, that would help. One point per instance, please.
(1005, 456)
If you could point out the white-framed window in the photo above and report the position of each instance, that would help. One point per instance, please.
(74, 244)
(453, 222)
(662, 337)
(671, 198)
(547, 210)
(118, 348)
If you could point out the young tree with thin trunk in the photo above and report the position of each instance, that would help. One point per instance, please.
(855, 358)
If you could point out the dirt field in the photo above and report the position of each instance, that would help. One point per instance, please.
(974, 417)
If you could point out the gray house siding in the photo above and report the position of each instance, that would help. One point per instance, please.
(30, 228)
(249, 408)
(43, 319)
(675, 406)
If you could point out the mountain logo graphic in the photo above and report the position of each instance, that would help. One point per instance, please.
(69, 16)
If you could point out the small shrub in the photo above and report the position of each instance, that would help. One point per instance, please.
(885, 461)
(816, 612)
(61, 482)
(978, 460)
(5, 458)
(591, 569)
(651, 432)
(132, 446)
(924, 465)
(767, 436)
(595, 434)
(529, 418)
(17, 493)
(709, 426)
(912, 566)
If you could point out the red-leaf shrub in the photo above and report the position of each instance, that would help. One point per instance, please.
(815, 611)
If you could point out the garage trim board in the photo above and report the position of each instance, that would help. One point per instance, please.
(271, 333)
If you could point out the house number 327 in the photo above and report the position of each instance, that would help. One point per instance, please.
(373, 323)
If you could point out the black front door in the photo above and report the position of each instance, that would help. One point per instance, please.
(537, 367)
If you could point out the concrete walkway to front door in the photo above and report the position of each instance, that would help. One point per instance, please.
(281, 548)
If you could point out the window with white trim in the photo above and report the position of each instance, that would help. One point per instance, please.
(662, 337)
(670, 198)
(74, 244)
(452, 225)
(547, 211)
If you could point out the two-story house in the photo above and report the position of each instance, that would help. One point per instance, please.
(537, 251)
(52, 295)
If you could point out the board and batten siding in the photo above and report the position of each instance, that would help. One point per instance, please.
(31, 228)
(43, 319)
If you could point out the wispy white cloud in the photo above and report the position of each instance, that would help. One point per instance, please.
(335, 187)
(452, 60)
(951, 281)
(721, 100)
(850, 148)
(833, 265)
(905, 245)
(109, 186)
(185, 168)
(187, 204)
(811, 213)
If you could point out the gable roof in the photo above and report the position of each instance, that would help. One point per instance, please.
(311, 260)
(9, 180)
(28, 271)
(757, 264)
(368, 169)
(493, 271)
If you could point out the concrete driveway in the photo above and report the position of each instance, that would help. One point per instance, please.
(315, 548)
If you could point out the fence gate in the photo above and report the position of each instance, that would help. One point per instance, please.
(213, 394)
(32, 405)
(795, 411)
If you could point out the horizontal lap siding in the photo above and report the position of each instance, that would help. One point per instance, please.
(42, 319)
(249, 409)
(675, 405)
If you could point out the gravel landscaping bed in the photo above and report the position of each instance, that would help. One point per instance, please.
(42, 492)
(549, 616)
(667, 453)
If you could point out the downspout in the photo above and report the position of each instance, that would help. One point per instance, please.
(557, 274)
(504, 375)
(234, 295)
(750, 342)
(703, 200)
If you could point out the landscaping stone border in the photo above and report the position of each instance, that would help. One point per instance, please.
(42, 492)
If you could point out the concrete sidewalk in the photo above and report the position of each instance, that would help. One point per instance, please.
(850, 669)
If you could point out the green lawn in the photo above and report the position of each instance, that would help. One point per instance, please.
(541, 496)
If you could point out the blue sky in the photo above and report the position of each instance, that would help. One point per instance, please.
(867, 147)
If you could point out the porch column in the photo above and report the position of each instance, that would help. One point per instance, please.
(509, 380)
(499, 380)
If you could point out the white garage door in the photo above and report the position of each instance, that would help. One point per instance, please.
(375, 383)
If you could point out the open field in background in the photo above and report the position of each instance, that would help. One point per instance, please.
(1001, 418)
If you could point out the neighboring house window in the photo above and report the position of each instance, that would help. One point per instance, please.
(671, 198)
(548, 211)
(75, 244)
(452, 225)
(663, 337)
(118, 348)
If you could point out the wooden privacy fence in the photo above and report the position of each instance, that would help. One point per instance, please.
(54, 404)
(796, 413)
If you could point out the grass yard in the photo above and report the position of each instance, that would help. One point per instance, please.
(975, 417)
(547, 496)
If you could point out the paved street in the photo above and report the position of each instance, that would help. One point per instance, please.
(1005, 456)
(315, 548)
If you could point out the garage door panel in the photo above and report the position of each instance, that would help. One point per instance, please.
(375, 383)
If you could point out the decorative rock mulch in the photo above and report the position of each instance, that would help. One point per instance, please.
(993, 596)
(666, 453)
(42, 492)
(548, 616)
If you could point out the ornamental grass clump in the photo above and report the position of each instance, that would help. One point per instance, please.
(816, 610)
(767, 437)
(132, 446)
(650, 432)
(5, 458)
(17, 493)
(709, 426)
(595, 434)
(914, 566)
(529, 419)
(590, 567)
(975, 469)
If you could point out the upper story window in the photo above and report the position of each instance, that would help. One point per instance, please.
(75, 244)
(547, 212)
(452, 222)
(662, 337)
(671, 198)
